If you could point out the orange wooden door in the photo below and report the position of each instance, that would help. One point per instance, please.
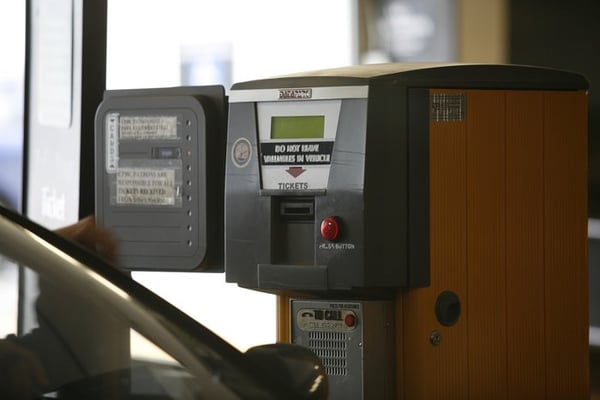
(508, 236)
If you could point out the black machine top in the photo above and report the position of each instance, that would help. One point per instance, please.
(497, 76)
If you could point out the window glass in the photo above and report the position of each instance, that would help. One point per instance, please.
(12, 25)
(8, 297)
(80, 347)
(153, 43)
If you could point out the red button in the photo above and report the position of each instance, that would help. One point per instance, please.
(350, 320)
(330, 228)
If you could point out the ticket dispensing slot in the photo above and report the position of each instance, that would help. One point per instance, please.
(292, 241)
(296, 209)
(293, 231)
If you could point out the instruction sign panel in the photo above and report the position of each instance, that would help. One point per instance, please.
(296, 143)
(295, 165)
(304, 153)
(146, 187)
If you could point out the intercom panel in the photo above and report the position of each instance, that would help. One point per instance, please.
(159, 174)
(355, 342)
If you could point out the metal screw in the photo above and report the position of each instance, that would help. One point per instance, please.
(435, 338)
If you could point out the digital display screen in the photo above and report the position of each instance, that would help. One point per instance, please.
(298, 127)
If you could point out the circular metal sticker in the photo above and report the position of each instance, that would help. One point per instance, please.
(241, 153)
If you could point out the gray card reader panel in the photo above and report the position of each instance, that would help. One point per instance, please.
(156, 178)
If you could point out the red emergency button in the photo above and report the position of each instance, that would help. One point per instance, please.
(350, 320)
(330, 228)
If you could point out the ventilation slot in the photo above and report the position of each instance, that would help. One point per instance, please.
(330, 347)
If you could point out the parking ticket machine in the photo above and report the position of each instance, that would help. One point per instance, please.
(424, 226)
(326, 206)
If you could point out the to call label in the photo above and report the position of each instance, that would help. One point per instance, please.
(326, 320)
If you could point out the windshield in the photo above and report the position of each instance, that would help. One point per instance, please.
(92, 333)
(77, 348)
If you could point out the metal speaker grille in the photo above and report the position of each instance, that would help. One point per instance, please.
(447, 107)
(330, 347)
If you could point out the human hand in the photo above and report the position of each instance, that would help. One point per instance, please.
(21, 372)
(90, 235)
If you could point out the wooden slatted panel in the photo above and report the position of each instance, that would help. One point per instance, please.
(283, 319)
(525, 246)
(524, 273)
(565, 228)
(486, 244)
(439, 372)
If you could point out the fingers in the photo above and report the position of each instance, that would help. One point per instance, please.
(96, 238)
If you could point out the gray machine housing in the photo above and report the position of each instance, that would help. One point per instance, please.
(159, 176)
(377, 190)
